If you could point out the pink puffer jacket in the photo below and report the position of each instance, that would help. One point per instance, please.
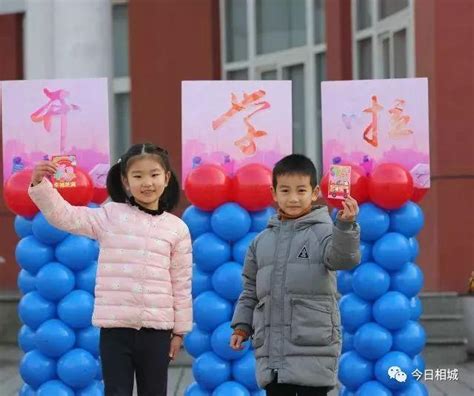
(145, 262)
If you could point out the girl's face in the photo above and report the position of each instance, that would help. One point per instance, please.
(146, 180)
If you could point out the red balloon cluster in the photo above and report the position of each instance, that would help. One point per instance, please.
(359, 187)
(388, 186)
(208, 186)
(16, 196)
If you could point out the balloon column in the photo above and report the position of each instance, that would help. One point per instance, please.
(57, 280)
(227, 213)
(382, 338)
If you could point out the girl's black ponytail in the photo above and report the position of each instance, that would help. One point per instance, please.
(115, 185)
(170, 197)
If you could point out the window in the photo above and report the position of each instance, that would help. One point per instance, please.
(383, 46)
(121, 85)
(284, 39)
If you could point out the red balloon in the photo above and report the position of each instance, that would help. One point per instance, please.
(252, 187)
(419, 194)
(390, 186)
(81, 194)
(15, 193)
(359, 187)
(207, 186)
(99, 195)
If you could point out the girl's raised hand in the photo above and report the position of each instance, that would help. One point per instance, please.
(42, 169)
(350, 210)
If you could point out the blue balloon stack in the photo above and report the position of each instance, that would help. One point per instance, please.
(57, 280)
(220, 241)
(382, 338)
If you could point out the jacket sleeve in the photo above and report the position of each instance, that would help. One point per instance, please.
(341, 245)
(243, 315)
(61, 214)
(181, 272)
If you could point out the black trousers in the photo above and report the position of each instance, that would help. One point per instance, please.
(126, 352)
(276, 389)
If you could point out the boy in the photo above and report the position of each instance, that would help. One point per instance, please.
(289, 303)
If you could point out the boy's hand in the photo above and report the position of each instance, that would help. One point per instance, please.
(236, 342)
(175, 346)
(42, 169)
(350, 210)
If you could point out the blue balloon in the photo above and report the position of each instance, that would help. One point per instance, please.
(220, 343)
(77, 368)
(195, 390)
(394, 370)
(408, 220)
(416, 308)
(410, 339)
(239, 249)
(334, 214)
(45, 232)
(345, 392)
(365, 252)
(347, 341)
(26, 282)
(197, 220)
(259, 392)
(373, 388)
(99, 377)
(227, 280)
(54, 281)
(211, 310)
(392, 251)
(22, 226)
(54, 387)
(392, 310)
(419, 363)
(31, 254)
(36, 369)
(344, 282)
(77, 252)
(373, 221)
(197, 342)
(354, 370)
(230, 222)
(76, 309)
(408, 280)
(231, 388)
(210, 370)
(244, 369)
(260, 219)
(54, 338)
(210, 252)
(93, 205)
(413, 389)
(370, 281)
(27, 390)
(96, 388)
(372, 341)
(26, 339)
(85, 279)
(201, 281)
(354, 312)
(414, 248)
(34, 310)
(88, 339)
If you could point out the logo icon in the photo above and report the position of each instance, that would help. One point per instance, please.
(303, 253)
(396, 373)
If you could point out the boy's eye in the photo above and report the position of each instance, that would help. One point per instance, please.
(155, 174)
(136, 177)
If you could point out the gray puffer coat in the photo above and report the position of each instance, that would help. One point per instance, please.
(289, 300)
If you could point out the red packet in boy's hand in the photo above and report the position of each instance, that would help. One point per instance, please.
(65, 175)
(339, 182)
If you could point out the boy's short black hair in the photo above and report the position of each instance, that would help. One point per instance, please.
(296, 164)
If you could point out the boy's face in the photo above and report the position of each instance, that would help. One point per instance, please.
(294, 194)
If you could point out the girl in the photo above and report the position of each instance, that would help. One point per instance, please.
(143, 302)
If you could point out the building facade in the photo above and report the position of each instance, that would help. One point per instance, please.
(147, 48)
